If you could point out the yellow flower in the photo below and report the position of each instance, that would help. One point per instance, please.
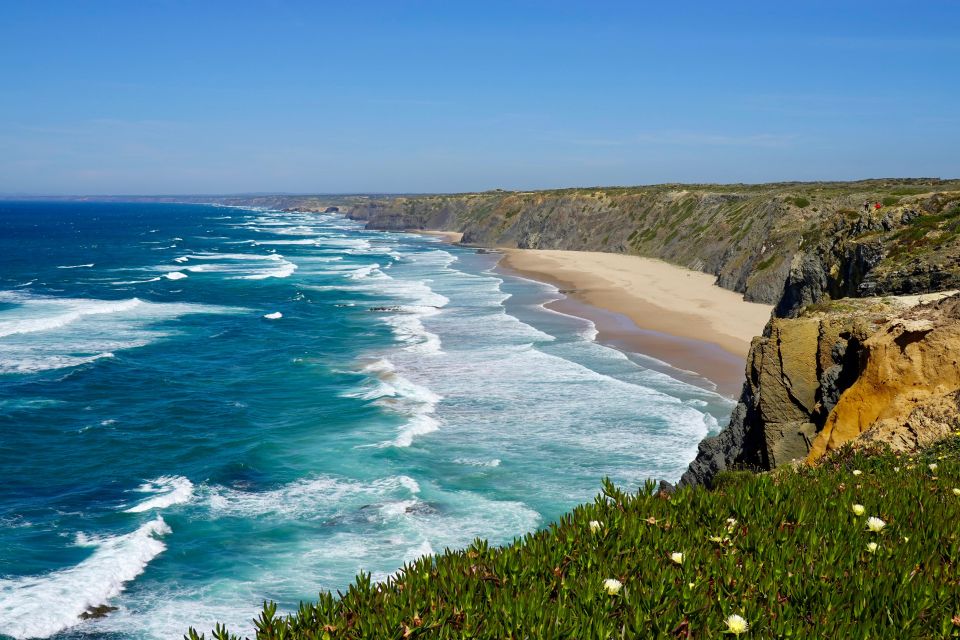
(716, 539)
(906, 539)
(857, 472)
(956, 491)
(933, 467)
(677, 557)
(595, 526)
(691, 585)
(872, 547)
(858, 510)
(612, 586)
(875, 524)
(736, 624)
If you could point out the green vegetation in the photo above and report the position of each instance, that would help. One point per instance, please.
(799, 201)
(889, 201)
(946, 226)
(766, 264)
(862, 546)
(911, 191)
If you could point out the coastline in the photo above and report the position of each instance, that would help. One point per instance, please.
(651, 308)
(648, 307)
(449, 237)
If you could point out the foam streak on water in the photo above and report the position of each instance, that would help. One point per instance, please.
(209, 410)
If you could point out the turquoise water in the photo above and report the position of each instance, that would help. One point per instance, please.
(204, 407)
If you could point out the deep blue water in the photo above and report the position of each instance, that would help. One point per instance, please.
(168, 449)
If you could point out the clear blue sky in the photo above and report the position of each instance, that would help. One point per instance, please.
(243, 96)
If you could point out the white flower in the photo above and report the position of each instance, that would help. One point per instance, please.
(872, 547)
(613, 586)
(691, 585)
(595, 525)
(677, 557)
(858, 510)
(932, 466)
(731, 524)
(906, 539)
(956, 491)
(897, 469)
(857, 472)
(875, 524)
(736, 624)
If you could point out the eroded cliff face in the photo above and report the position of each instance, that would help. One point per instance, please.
(740, 237)
(791, 245)
(906, 393)
(864, 370)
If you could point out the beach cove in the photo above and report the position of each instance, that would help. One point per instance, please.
(651, 307)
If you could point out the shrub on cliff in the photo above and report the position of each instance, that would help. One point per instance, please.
(860, 546)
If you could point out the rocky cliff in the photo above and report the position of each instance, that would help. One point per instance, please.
(869, 370)
(787, 244)
(847, 354)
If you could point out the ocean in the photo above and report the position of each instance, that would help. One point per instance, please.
(204, 407)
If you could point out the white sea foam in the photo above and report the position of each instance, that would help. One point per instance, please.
(167, 491)
(242, 266)
(387, 383)
(398, 394)
(121, 282)
(208, 268)
(473, 462)
(410, 330)
(22, 365)
(276, 315)
(284, 270)
(245, 257)
(366, 271)
(76, 266)
(423, 549)
(41, 333)
(417, 425)
(75, 310)
(308, 499)
(40, 606)
(290, 242)
(175, 275)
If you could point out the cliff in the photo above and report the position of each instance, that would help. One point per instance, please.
(847, 354)
(788, 244)
(867, 370)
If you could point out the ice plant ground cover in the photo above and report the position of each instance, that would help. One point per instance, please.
(796, 563)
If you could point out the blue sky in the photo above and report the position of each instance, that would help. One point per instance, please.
(225, 97)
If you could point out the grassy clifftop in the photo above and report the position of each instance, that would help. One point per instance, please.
(861, 546)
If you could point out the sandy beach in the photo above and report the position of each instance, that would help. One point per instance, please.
(651, 307)
(451, 237)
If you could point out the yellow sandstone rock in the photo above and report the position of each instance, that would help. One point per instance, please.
(907, 392)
